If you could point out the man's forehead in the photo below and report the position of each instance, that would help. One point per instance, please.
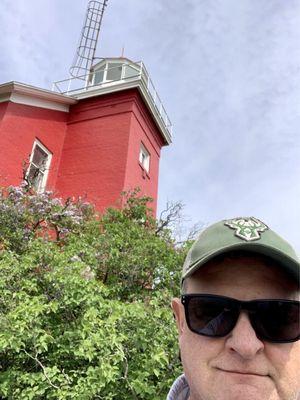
(230, 269)
(242, 260)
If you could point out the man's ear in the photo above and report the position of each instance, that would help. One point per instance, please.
(178, 311)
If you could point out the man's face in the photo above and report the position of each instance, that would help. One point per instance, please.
(239, 366)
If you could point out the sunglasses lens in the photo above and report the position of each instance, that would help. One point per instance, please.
(211, 317)
(216, 316)
(277, 321)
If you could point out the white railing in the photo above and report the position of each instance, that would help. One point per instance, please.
(109, 76)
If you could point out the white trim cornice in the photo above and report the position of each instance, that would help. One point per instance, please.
(123, 85)
(21, 93)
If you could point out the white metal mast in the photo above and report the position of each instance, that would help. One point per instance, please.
(86, 49)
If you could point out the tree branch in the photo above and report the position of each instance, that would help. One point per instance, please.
(171, 214)
(127, 381)
(43, 368)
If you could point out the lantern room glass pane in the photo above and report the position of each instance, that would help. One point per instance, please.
(130, 71)
(114, 72)
(99, 75)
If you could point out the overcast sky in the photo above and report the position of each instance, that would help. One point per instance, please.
(228, 73)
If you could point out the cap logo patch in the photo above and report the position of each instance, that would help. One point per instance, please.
(248, 229)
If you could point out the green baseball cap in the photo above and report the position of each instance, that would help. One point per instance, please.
(240, 234)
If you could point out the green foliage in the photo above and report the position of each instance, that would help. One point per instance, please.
(84, 304)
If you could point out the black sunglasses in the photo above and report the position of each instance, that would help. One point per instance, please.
(215, 316)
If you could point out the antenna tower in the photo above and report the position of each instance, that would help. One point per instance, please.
(85, 53)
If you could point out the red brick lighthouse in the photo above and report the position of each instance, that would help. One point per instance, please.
(94, 135)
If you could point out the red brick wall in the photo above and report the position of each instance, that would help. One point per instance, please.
(3, 107)
(20, 126)
(94, 155)
(143, 130)
(100, 158)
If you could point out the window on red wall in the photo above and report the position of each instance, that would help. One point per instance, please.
(39, 165)
(144, 157)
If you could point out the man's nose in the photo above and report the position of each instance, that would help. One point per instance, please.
(243, 339)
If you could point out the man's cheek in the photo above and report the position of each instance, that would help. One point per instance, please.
(285, 362)
(196, 354)
(289, 379)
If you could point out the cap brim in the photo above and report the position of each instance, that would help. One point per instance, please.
(288, 264)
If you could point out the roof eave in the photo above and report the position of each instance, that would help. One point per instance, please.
(13, 87)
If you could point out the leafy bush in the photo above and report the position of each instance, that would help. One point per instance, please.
(84, 304)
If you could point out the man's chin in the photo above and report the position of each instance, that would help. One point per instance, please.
(244, 385)
(245, 391)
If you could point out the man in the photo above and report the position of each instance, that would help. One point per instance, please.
(238, 316)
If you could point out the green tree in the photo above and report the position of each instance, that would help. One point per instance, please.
(84, 303)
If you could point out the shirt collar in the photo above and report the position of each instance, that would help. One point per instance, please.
(179, 390)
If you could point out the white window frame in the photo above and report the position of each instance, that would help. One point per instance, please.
(117, 63)
(105, 71)
(144, 158)
(42, 185)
